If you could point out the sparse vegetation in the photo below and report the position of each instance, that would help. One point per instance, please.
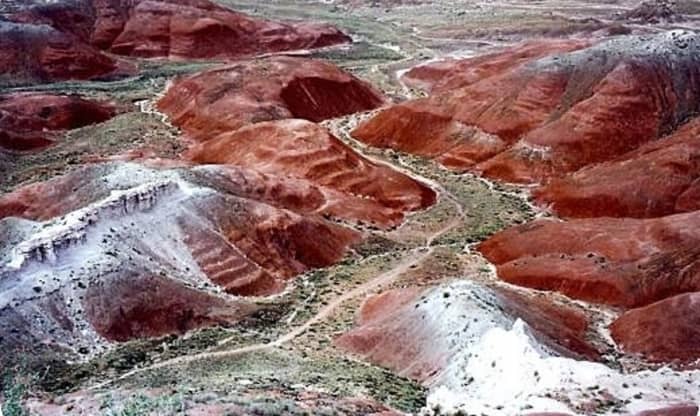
(15, 386)
(140, 405)
(270, 382)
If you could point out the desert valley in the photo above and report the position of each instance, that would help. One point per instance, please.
(350, 207)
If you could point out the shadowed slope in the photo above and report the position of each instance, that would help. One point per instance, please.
(32, 53)
(27, 121)
(228, 98)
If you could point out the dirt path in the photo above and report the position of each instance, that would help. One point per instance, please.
(411, 260)
(364, 289)
(416, 257)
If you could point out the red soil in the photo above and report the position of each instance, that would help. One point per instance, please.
(394, 330)
(38, 53)
(242, 115)
(177, 29)
(257, 243)
(318, 98)
(561, 327)
(548, 116)
(665, 331)
(673, 410)
(146, 264)
(135, 306)
(303, 196)
(46, 200)
(28, 121)
(255, 248)
(449, 74)
(627, 262)
(226, 99)
(611, 131)
(659, 178)
(304, 150)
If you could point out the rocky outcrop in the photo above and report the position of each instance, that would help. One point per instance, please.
(46, 200)
(506, 372)
(177, 29)
(466, 343)
(106, 193)
(665, 331)
(147, 252)
(457, 315)
(626, 262)
(660, 178)
(228, 98)
(552, 115)
(31, 53)
(30, 121)
(653, 11)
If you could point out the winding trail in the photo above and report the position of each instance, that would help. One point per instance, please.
(416, 256)
(380, 280)
(423, 252)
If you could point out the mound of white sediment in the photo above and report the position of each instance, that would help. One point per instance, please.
(507, 373)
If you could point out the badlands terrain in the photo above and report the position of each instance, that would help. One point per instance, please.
(350, 207)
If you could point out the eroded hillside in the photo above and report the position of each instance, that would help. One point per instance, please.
(349, 207)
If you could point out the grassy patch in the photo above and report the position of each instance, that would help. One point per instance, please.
(140, 404)
(116, 136)
(284, 372)
(15, 386)
(65, 377)
(358, 54)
